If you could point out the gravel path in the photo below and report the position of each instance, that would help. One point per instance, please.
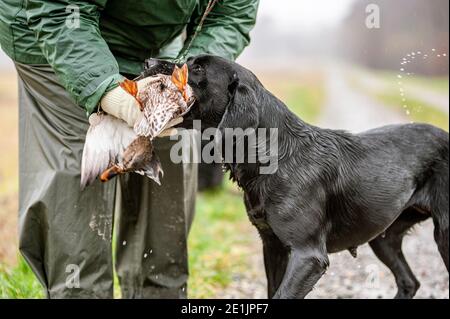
(365, 276)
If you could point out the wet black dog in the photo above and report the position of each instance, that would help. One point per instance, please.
(333, 190)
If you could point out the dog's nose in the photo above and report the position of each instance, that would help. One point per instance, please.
(156, 66)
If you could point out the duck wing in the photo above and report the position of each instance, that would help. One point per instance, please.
(106, 140)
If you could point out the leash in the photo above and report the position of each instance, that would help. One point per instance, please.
(199, 27)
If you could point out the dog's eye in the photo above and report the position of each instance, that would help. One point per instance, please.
(197, 69)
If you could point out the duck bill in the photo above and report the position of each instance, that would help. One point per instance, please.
(180, 79)
(110, 173)
(131, 88)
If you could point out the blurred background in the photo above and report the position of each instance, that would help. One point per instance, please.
(336, 65)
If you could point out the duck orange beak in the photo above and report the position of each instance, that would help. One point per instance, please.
(131, 88)
(110, 173)
(180, 79)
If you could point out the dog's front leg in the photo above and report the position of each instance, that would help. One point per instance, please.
(276, 256)
(305, 267)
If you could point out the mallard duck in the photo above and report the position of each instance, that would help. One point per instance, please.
(112, 147)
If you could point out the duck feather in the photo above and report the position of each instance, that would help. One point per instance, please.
(106, 140)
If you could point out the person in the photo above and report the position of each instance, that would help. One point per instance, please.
(70, 57)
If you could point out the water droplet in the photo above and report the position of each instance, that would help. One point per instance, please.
(151, 251)
(124, 242)
(402, 69)
(438, 55)
(413, 54)
(444, 54)
(418, 52)
(434, 50)
(399, 76)
(408, 112)
(145, 255)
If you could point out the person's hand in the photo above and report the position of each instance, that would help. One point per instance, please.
(121, 104)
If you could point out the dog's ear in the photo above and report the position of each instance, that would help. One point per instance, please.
(242, 110)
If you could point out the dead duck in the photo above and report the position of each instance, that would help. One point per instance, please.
(112, 147)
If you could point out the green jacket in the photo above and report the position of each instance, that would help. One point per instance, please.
(113, 36)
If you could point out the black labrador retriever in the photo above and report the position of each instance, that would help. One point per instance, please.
(333, 190)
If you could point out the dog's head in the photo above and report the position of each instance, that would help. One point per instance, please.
(224, 92)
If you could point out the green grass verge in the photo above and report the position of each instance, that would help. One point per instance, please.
(438, 84)
(418, 110)
(306, 102)
(218, 242)
(304, 96)
(19, 282)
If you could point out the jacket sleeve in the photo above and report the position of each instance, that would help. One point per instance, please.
(69, 37)
(226, 29)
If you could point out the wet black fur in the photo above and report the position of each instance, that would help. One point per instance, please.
(333, 190)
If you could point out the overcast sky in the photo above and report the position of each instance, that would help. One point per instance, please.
(304, 14)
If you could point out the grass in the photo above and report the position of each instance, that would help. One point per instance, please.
(419, 111)
(221, 241)
(437, 84)
(304, 96)
(19, 282)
